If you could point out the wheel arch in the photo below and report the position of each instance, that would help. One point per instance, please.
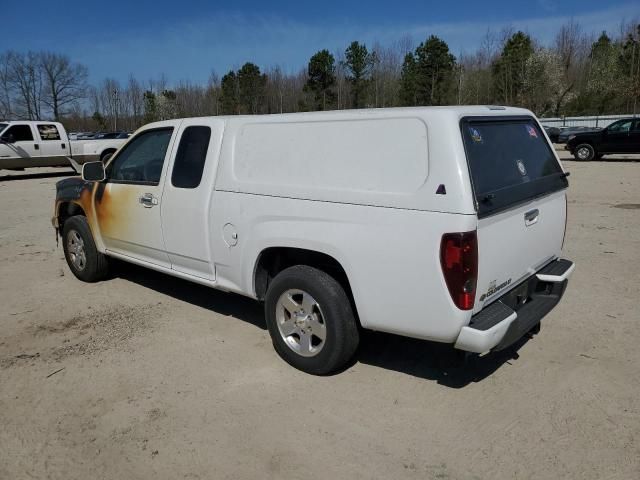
(107, 151)
(274, 259)
(67, 209)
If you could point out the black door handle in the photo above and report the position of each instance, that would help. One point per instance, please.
(531, 217)
(36, 146)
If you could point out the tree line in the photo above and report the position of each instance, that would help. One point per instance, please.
(577, 74)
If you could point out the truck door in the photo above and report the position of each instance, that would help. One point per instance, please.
(127, 204)
(616, 137)
(188, 194)
(53, 148)
(18, 148)
(635, 137)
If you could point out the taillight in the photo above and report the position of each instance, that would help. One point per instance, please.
(459, 260)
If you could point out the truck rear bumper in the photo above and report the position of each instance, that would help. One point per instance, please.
(506, 320)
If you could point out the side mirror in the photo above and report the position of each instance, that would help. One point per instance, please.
(93, 171)
(8, 138)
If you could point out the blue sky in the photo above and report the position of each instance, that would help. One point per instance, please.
(188, 39)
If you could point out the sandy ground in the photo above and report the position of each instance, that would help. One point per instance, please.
(146, 376)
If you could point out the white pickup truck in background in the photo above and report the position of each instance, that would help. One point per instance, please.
(25, 144)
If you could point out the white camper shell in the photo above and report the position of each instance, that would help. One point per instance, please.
(439, 223)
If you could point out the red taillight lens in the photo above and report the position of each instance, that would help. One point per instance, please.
(459, 260)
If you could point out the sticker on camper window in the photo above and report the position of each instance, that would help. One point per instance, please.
(521, 168)
(531, 131)
(475, 135)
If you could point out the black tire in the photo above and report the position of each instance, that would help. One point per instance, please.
(95, 266)
(104, 158)
(584, 152)
(334, 310)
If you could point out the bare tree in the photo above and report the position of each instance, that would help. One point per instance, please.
(111, 100)
(5, 88)
(386, 73)
(135, 99)
(65, 82)
(25, 79)
(571, 48)
(212, 94)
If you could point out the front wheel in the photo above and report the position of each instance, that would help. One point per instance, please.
(310, 320)
(83, 258)
(584, 152)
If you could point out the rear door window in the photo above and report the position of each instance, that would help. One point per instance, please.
(191, 157)
(510, 162)
(48, 132)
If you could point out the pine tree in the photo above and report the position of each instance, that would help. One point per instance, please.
(229, 100)
(604, 76)
(251, 85)
(408, 81)
(434, 68)
(359, 63)
(150, 107)
(630, 69)
(509, 70)
(321, 73)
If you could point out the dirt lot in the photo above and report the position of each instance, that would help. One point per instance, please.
(146, 376)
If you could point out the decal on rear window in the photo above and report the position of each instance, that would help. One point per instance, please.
(532, 131)
(475, 135)
(521, 168)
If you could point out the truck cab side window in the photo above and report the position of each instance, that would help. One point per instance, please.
(191, 157)
(48, 132)
(141, 159)
(21, 133)
(623, 127)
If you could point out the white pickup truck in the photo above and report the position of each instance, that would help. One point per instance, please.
(439, 223)
(25, 144)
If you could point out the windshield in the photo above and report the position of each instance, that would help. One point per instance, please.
(510, 161)
(3, 126)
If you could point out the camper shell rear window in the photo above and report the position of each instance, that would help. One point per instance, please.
(510, 162)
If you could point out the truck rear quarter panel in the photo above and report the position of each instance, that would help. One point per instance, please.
(390, 256)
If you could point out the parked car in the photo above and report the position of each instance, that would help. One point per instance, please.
(110, 135)
(444, 224)
(566, 132)
(552, 133)
(85, 136)
(45, 144)
(622, 136)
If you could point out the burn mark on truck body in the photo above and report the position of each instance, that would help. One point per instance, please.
(107, 211)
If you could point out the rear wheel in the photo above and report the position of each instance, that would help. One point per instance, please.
(83, 258)
(584, 152)
(310, 320)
